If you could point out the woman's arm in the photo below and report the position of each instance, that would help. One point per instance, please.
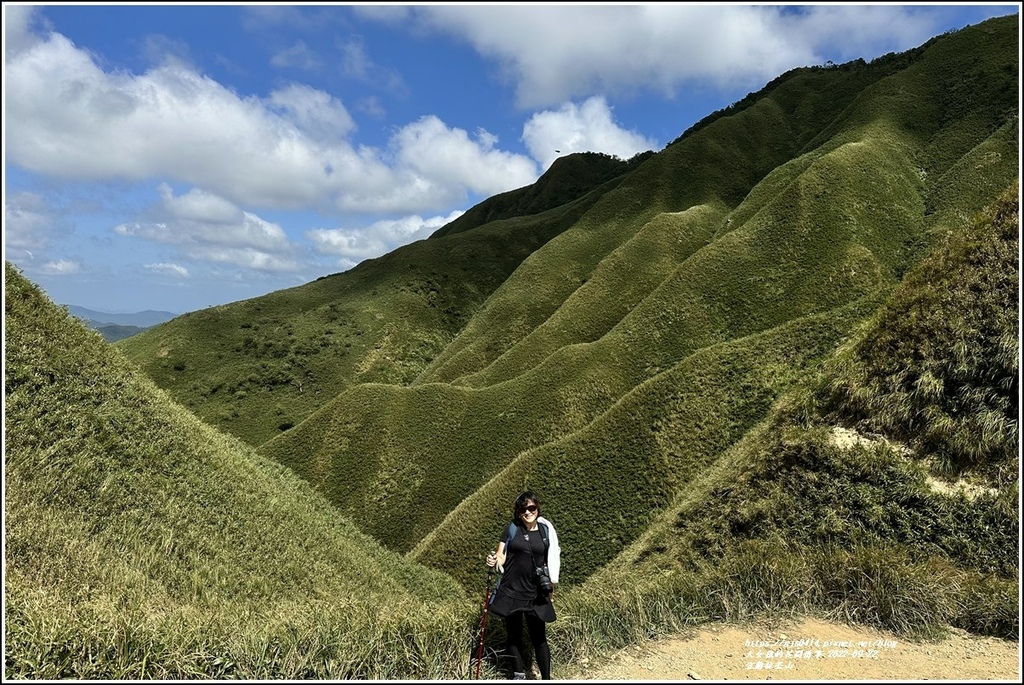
(497, 558)
(554, 553)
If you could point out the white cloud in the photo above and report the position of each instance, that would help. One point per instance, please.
(198, 206)
(356, 64)
(298, 56)
(449, 158)
(26, 221)
(18, 20)
(559, 53)
(165, 269)
(371, 106)
(583, 128)
(357, 244)
(314, 112)
(61, 267)
(208, 228)
(68, 118)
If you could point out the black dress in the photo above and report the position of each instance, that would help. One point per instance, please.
(518, 589)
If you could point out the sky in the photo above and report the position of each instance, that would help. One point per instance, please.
(176, 157)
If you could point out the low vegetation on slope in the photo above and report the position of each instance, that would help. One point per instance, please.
(823, 510)
(141, 543)
(941, 371)
(258, 367)
(644, 285)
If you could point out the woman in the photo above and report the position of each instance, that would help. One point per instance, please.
(529, 558)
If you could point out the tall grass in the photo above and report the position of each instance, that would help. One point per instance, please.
(791, 522)
(941, 369)
(141, 543)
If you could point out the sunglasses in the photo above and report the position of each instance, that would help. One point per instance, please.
(532, 508)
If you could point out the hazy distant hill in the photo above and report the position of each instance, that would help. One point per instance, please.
(716, 363)
(137, 319)
(114, 327)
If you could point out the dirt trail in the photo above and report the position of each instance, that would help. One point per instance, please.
(811, 649)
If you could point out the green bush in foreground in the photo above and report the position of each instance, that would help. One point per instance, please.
(941, 368)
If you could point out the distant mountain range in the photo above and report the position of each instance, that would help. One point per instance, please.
(115, 327)
(141, 319)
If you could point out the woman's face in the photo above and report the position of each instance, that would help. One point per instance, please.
(530, 513)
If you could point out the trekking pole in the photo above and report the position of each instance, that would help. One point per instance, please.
(483, 622)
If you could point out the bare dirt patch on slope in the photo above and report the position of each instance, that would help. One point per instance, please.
(810, 649)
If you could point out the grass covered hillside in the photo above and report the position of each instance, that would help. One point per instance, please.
(141, 543)
(687, 326)
(772, 369)
(824, 510)
(628, 353)
(258, 367)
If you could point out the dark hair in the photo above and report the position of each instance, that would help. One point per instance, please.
(520, 506)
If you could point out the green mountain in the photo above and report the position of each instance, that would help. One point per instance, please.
(770, 369)
(142, 543)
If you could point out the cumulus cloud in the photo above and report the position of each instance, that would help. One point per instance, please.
(580, 128)
(356, 244)
(444, 157)
(559, 53)
(208, 228)
(68, 118)
(314, 112)
(18, 21)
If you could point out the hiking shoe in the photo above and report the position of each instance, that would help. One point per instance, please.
(518, 676)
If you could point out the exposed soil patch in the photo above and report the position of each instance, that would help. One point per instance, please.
(810, 649)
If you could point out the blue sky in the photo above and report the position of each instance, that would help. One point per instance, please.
(175, 157)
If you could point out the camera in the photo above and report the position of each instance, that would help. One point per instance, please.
(543, 578)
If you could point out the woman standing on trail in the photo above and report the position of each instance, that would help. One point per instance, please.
(528, 557)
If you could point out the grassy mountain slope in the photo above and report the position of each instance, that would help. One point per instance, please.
(258, 367)
(827, 229)
(607, 480)
(923, 114)
(837, 504)
(716, 168)
(141, 543)
(567, 179)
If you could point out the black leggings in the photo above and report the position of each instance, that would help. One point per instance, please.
(538, 638)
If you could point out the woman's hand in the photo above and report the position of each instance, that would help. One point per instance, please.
(491, 560)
